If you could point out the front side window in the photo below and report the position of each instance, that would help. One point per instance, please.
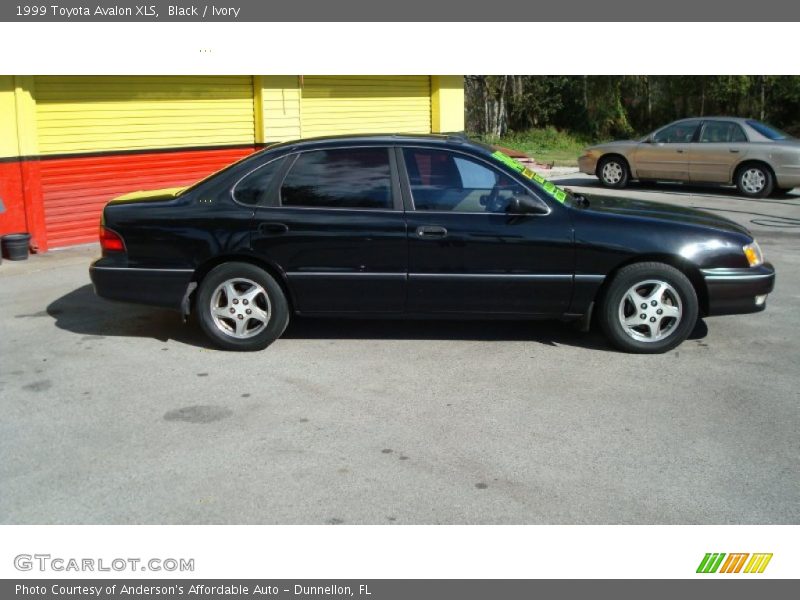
(341, 178)
(446, 181)
(721, 132)
(254, 187)
(677, 133)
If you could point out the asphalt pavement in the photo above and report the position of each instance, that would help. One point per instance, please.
(120, 414)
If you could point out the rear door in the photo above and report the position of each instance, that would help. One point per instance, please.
(720, 147)
(467, 254)
(334, 224)
(666, 154)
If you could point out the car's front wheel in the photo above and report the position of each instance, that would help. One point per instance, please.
(613, 172)
(241, 307)
(754, 180)
(648, 308)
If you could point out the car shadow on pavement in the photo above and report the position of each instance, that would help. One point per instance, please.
(545, 332)
(82, 312)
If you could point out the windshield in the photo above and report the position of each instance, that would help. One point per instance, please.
(548, 187)
(769, 132)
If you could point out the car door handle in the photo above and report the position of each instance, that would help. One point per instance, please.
(273, 228)
(431, 231)
(733, 150)
(679, 151)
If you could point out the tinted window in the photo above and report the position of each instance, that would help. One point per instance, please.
(722, 132)
(677, 133)
(445, 181)
(253, 188)
(768, 131)
(346, 178)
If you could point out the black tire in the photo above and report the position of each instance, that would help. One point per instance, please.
(260, 329)
(754, 180)
(632, 338)
(613, 172)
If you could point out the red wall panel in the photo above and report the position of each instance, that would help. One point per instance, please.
(75, 189)
(12, 212)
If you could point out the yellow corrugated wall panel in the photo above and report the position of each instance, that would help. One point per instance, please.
(280, 100)
(106, 113)
(365, 104)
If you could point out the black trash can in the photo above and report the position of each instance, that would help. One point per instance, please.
(15, 246)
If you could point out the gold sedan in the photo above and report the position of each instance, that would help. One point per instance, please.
(755, 157)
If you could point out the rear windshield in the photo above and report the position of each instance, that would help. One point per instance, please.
(769, 132)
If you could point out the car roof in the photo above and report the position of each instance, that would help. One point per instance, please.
(430, 139)
(740, 120)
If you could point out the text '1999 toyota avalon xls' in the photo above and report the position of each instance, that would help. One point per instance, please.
(420, 226)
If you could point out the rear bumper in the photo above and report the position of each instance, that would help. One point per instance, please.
(155, 287)
(737, 291)
(787, 176)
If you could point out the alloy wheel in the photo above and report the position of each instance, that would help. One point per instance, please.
(240, 308)
(650, 310)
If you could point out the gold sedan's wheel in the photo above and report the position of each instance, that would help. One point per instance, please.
(613, 172)
(755, 180)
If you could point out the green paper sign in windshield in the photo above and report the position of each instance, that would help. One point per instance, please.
(547, 186)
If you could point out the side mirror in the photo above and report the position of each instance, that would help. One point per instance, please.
(524, 204)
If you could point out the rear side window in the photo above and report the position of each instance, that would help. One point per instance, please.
(254, 187)
(341, 178)
(716, 132)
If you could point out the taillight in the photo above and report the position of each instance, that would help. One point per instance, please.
(111, 241)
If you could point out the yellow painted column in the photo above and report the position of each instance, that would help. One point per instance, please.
(279, 98)
(24, 97)
(9, 144)
(28, 150)
(447, 103)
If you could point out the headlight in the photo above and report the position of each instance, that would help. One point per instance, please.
(753, 254)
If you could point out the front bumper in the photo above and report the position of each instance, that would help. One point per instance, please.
(737, 291)
(587, 164)
(155, 287)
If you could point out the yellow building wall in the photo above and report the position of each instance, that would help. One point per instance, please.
(365, 104)
(280, 107)
(8, 117)
(447, 103)
(98, 113)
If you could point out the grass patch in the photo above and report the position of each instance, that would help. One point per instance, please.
(548, 145)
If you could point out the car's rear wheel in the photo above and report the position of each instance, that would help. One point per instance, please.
(648, 308)
(613, 172)
(754, 180)
(241, 307)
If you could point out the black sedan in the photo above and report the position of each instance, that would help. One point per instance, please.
(419, 226)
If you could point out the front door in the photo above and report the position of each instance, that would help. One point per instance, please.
(467, 254)
(666, 155)
(337, 231)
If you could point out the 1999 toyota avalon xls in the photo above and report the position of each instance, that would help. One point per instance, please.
(419, 226)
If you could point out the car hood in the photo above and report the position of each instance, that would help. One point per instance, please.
(665, 212)
(148, 196)
(616, 144)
